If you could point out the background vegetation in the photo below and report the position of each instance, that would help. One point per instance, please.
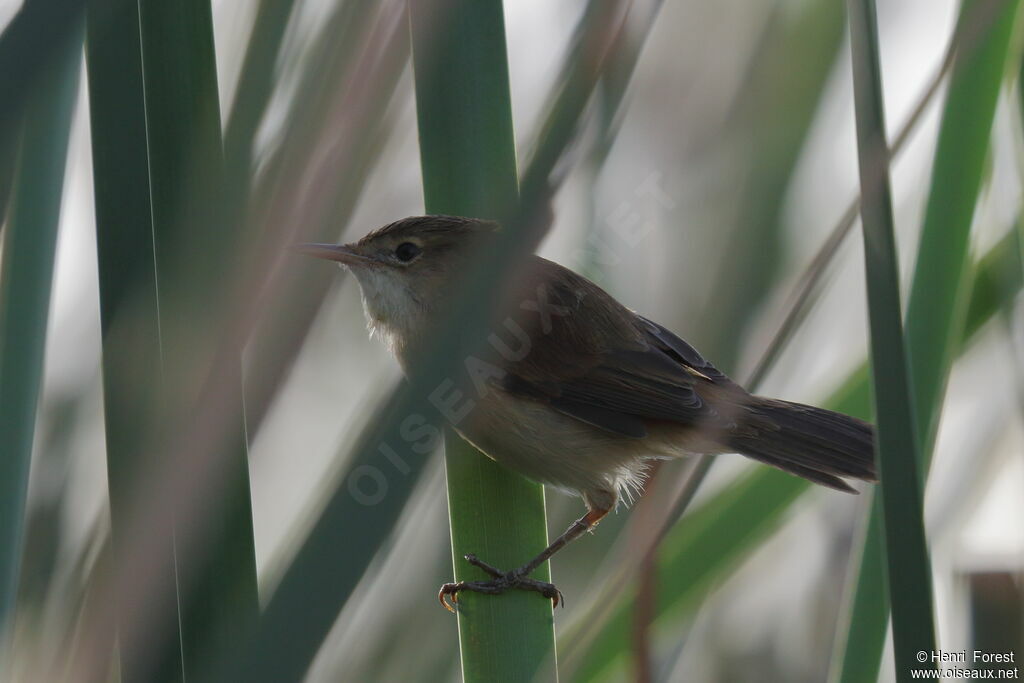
(192, 420)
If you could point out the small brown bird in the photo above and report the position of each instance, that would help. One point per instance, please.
(576, 390)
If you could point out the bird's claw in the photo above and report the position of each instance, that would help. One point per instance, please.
(448, 596)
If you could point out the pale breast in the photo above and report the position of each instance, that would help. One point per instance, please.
(550, 447)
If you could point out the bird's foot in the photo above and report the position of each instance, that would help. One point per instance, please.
(502, 581)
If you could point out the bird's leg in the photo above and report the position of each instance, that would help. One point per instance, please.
(519, 578)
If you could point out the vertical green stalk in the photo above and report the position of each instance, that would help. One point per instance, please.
(132, 376)
(26, 275)
(935, 309)
(909, 569)
(194, 246)
(469, 168)
(936, 306)
(868, 617)
(157, 164)
(255, 86)
(32, 45)
(8, 158)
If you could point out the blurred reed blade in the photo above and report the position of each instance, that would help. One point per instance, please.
(998, 277)
(576, 78)
(362, 52)
(695, 558)
(127, 282)
(625, 55)
(31, 46)
(897, 451)
(936, 308)
(255, 85)
(867, 618)
(256, 206)
(338, 125)
(8, 160)
(937, 296)
(217, 589)
(467, 153)
(773, 114)
(590, 55)
(610, 112)
(26, 276)
(154, 148)
(252, 95)
(805, 291)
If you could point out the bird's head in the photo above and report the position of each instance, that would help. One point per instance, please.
(407, 268)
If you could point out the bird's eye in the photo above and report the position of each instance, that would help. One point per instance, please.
(407, 251)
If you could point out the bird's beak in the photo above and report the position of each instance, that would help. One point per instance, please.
(334, 252)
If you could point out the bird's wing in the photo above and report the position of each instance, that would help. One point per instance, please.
(679, 349)
(638, 371)
(618, 391)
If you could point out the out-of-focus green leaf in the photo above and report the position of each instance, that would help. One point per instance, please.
(898, 456)
(217, 590)
(610, 107)
(158, 162)
(287, 319)
(127, 283)
(938, 297)
(997, 279)
(255, 85)
(8, 155)
(26, 276)
(32, 45)
(467, 152)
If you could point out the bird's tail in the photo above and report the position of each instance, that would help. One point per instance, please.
(817, 444)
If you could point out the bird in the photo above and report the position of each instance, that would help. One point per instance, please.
(578, 391)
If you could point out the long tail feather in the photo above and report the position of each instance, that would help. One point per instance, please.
(816, 444)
